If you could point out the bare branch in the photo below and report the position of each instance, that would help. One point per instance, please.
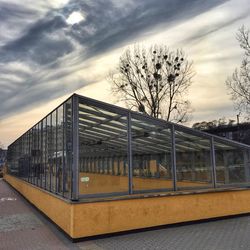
(239, 83)
(153, 81)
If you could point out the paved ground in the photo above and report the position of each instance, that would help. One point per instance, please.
(23, 227)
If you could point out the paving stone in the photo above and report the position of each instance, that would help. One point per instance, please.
(227, 234)
(22, 227)
(18, 222)
(88, 245)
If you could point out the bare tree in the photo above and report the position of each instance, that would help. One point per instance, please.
(239, 83)
(154, 81)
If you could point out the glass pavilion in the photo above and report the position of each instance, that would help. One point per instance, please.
(86, 148)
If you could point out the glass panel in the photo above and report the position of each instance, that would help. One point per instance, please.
(34, 154)
(232, 163)
(44, 152)
(18, 153)
(10, 159)
(30, 155)
(39, 158)
(60, 149)
(50, 151)
(151, 156)
(25, 156)
(67, 178)
(39, 155)
(21, 160)
(103, 161)
(53, 158)
(193, 161)
(27, 160)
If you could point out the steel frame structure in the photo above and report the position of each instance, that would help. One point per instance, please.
(81, 122)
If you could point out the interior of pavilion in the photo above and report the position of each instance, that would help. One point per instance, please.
(119, 151)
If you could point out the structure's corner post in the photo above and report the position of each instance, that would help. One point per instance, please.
(173, 157)
(213, 164)
(75, 165)
(130, 170)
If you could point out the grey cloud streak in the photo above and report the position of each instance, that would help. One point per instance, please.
(45, 43)
(206, 31)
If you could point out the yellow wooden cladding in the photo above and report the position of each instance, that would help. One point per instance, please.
(102, 217)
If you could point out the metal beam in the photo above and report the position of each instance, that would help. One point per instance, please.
(75, 165)
(173, 157)
(130, 163)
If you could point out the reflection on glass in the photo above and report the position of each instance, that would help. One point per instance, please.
(232, 164)
(102, 151)
(40, 155)
(193, 161)
(53, 162)
(151, 156)
(29, 156)
(60, 149)
(44, 152)
(34, 155)
(39, 158)
(49, 152)
(67, 178)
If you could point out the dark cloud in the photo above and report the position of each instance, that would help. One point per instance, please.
(106, 26)
(38, 44)
(14, 20)
(9, 10)
(112, 27)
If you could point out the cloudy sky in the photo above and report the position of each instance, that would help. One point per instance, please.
(52, 48)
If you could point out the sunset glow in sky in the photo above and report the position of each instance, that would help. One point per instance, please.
(50, 49)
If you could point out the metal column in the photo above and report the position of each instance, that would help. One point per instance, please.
(173, 157)
(75, 165)
(130, 170)
(213, 164)
(246, 165)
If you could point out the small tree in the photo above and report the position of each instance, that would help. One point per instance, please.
(239, 83)
(154, 81)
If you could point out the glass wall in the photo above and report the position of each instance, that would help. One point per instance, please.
(44, 147)
(53, 152)
(87, 148)
(151, 155)
(50, 151)
(103, 160)
(60, 149)
(39, 155)
(68, 149)
(193, 160)
(232, 164)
